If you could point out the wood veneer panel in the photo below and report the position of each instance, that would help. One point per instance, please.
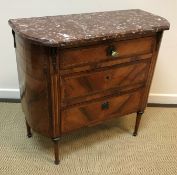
(32, 63)
(97, 53)
(85, 84)
(85, 115)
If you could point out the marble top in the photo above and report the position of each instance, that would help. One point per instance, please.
(71, 30)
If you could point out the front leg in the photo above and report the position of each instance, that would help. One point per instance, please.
(56, 150)
(29, 134)
(138, 118)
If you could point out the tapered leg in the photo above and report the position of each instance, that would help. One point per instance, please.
(56, 150)
(28, 130)
(138, 118)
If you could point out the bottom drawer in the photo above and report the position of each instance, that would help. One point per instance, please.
(88, 114)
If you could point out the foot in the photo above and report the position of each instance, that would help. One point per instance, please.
(134, 134)
(57, 162)
(29, 135)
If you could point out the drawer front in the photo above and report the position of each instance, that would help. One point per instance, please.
(92, 54)
(95, 112)
(99, 81)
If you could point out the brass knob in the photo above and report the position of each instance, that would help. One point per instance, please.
(114, 53)
(111, 51)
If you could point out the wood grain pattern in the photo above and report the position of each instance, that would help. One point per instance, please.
(85, 55)
(151, 69)
(65, 103)
(46, 90)
(71, 76)
(64, 90)
(104, 64)
(80, 85)
(85, 115)
(32, 70)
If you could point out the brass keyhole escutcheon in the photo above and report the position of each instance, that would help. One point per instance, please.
(105, 105)
(112, 51)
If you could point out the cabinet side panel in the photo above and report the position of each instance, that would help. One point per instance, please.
(156, 48)
(33, 74)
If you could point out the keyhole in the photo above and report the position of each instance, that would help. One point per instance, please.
(107, 77)
(105, 105)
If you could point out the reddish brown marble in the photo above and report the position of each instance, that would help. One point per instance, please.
(70, 30)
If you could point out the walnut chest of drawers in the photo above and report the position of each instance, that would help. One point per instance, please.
(79, 70)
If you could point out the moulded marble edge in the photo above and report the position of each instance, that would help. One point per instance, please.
(79, 29)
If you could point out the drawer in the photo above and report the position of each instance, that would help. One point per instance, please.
(103, 52)
(80, 85)
(95, 112)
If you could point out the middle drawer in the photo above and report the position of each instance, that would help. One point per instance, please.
(84, 84)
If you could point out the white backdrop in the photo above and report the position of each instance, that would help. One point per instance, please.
(164, 86)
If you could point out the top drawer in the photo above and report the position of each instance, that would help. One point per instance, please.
(103, 52)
